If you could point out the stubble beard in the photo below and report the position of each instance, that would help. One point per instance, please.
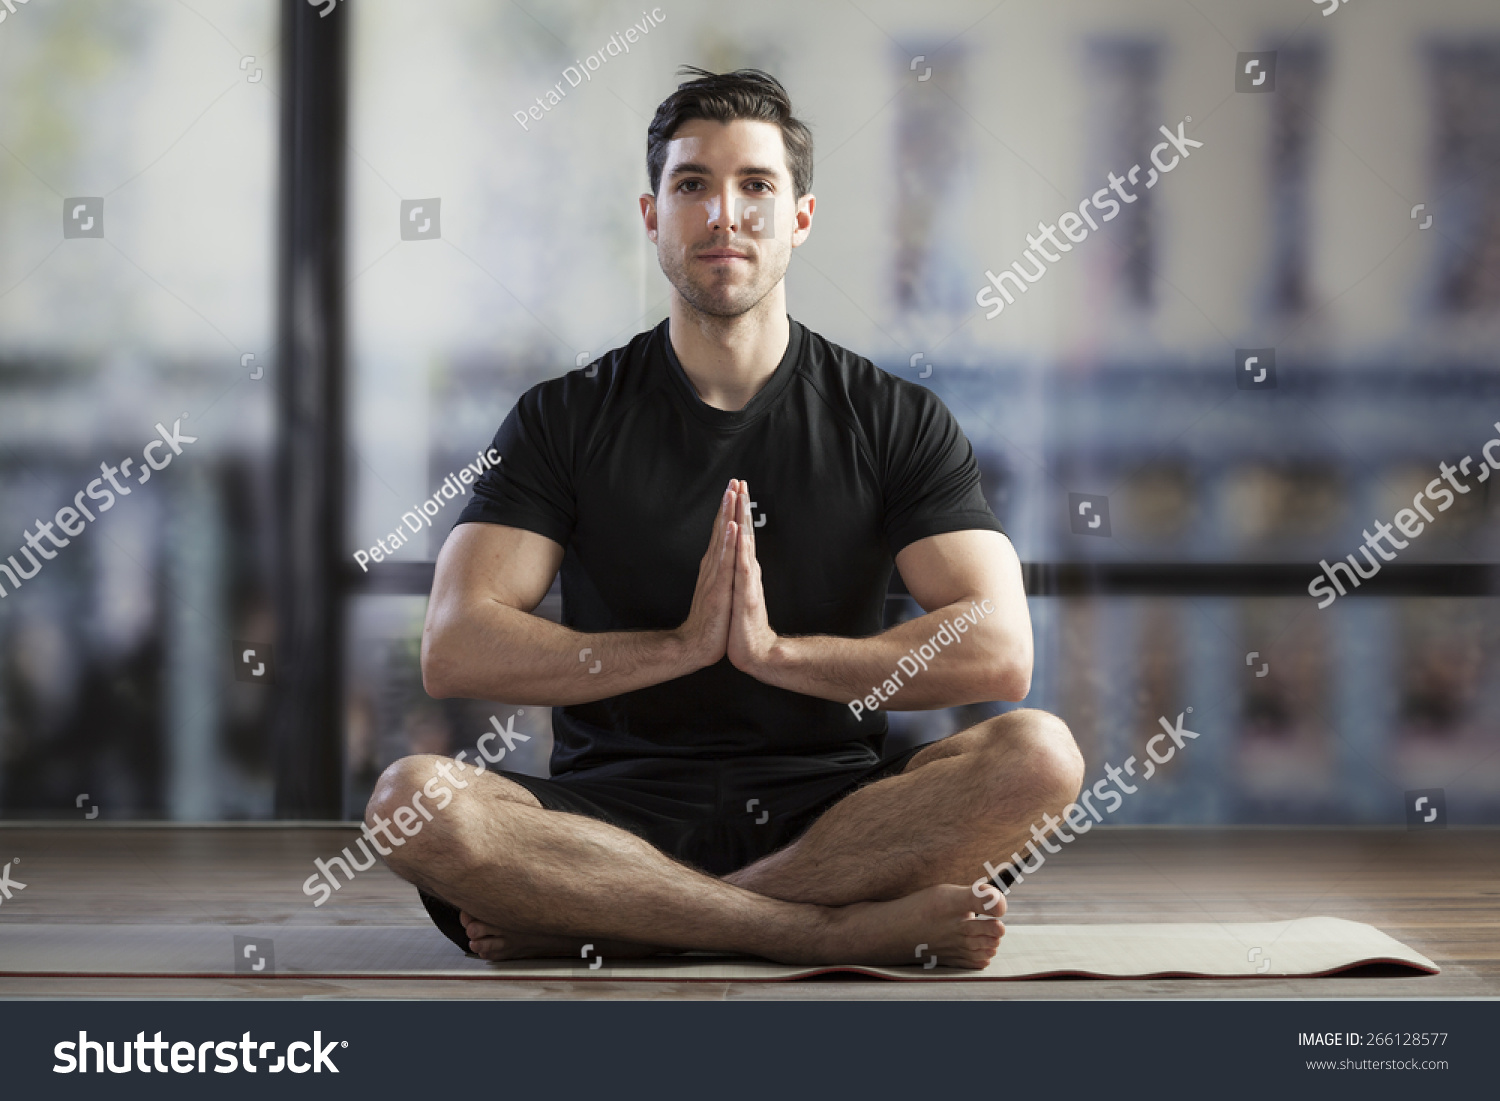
(714, 298)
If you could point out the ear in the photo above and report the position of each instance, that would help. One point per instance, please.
(802, 219)
(648, 214)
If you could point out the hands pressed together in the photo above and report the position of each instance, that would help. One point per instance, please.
(728, 614)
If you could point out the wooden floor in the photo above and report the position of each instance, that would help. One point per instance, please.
(1437, 891)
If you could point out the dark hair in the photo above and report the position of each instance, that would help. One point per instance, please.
(742, 94)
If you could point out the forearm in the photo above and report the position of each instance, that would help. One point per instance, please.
(497, 652)
(924, 663)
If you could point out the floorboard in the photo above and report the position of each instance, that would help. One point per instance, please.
(1438, 891)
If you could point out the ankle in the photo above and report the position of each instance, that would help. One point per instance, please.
(828, 930)
(799, 932)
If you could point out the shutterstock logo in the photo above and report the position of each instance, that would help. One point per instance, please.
(1255, 72)
(1427, 809)
(1053, 240)
(756, 217)
(420, 219)
(1089, 513)
(7, 884)
(254, 956)
(1255, 368)
(253, 662)
(83, 217)
(85, 1056)
(10, 8)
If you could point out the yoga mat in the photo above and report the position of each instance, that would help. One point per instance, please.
(1305, 947)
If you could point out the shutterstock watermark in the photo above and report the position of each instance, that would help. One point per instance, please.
(1072, 224)
(1406, 521)
(583, 69)
(187, 1057)
(454, 485)
(950, 633)
(70, 518)
(7, 884)
(410, 819)
(1077, 815)
(10, 8)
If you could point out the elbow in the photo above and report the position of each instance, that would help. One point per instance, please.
(435, 682)
(1008, 669)
(1012, 682)
(434, 687)
(439, 675)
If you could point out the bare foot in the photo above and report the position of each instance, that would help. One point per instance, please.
(945, 920)
(490, 943)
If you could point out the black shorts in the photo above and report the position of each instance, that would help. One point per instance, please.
(716, 816)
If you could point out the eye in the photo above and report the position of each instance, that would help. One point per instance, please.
(766, 188)
(684, 184)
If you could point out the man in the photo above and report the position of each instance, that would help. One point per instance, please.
(717, 779)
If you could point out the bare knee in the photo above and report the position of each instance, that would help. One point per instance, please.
(434, 813)
(401, 780)
(403, 803)
(1033, 754)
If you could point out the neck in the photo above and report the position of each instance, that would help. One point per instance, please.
(728, 359)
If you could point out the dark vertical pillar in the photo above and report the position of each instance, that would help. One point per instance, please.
(307, 729)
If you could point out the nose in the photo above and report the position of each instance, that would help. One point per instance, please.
(721, 211)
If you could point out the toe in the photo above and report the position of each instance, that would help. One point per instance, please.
(981, 954)
(983, 926)
(970, 961)
(994, 902)
(490, 948)
(478, 929)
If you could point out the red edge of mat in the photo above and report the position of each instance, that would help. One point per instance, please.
(841, 968)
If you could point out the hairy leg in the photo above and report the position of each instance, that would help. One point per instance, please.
(493, 943)
(968, 798)
(533, 872)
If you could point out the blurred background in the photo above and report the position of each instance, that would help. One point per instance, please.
(209, 650)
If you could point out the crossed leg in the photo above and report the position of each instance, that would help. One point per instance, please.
(968, 798)
(883, 870)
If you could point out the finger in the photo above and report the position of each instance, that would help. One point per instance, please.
(713, 535)
(726, 509)
(744, 511)
(745, 553)
(751, 567)
(727, 552)
(713, 554)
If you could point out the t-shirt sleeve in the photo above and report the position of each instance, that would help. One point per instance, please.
(531, 486)
(932, 482)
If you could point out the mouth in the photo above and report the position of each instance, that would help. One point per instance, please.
(721, 256)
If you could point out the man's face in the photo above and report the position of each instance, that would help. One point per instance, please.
(725, 220)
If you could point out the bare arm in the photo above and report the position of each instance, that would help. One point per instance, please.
(990, 660)
(481, 641)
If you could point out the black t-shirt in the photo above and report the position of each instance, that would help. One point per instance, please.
(623, 465)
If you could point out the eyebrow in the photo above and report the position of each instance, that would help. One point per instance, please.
(694, 168)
